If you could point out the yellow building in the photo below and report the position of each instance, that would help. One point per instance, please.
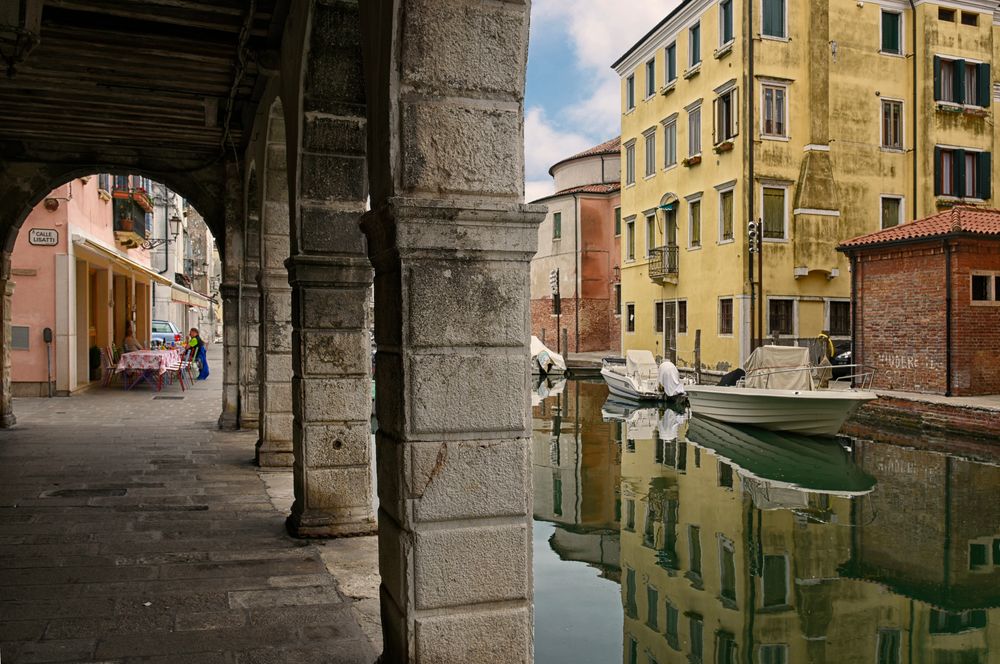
(861, 115)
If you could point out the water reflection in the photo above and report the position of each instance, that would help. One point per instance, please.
(732, 544)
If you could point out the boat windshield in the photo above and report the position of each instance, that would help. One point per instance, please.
(779, 368)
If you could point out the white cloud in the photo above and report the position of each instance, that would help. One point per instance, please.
(535, 189)
(545, 144)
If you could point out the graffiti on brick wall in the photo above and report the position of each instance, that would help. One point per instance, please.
(907, 361)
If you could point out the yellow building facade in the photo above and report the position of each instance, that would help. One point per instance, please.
(819, 121)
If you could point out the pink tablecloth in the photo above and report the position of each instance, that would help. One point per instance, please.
(148, 360)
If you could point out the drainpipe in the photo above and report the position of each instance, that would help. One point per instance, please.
(576, 267)
(749, 96)
(855, 263)
(947, 318)
(913, 31)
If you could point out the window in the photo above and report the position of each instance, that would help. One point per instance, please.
(986, 288)
(892, 124)
(694, 549)
(840, 319)
(696, 629)
(630, 521)
(630, 239)
(888, 646)
(670, 144)
(658, 315)
(726, 315)
(618, 299)
(694, 45)
(892, 211)
(556, 225)
(673, 618)
(650, 152)
(970, 18)
(694, 132)
(630, 324)
(781, 316)
(725, 22)
(618, 221)
(773, 653)
(652, 607)
(725, 648)
(631, 609)
(892, 32)
(963, 173)
(650, 234)
(727, 570)
(773, 18)
(978, 556)
(961, 82)
(773, 202)
(726, 216)
(726, 113)
(633, 650)
(682, 317)
(671, 60)
(694, 229)
(725, 475)
(630, 92)
(953, 622)
(775, 111)
(557, 496)
(650, 78)
(104, 182)
(630, 163)
(946, 14)
(20, 337)
(774, 579)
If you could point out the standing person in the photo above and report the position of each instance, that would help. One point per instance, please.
(196, 347)
(130, 344)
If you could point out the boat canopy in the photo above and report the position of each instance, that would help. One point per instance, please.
(779, 368)
(641, 364)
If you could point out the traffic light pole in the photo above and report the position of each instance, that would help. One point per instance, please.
(556, 306)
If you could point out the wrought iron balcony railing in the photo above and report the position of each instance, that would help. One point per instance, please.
(663, 262)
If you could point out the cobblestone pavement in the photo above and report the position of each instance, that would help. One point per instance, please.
(132, 530)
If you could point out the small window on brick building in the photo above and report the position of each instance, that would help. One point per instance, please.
(978, 556)
(682, 317)
(840, 319)
(980, 288)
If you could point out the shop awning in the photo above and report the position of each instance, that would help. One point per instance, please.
(118, 259)
(190, 297)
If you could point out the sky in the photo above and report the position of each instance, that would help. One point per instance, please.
(572, 94)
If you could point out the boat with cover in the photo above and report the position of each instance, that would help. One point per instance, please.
(544, 360)
(779, 392)
(636, 378)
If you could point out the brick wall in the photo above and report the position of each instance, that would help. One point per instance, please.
(598, 325)
(975, 328)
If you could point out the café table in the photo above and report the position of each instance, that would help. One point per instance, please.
(148, 365)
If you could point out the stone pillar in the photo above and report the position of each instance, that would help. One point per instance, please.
(249, 352)
(229, 419)
(7, 418)
(274, 446)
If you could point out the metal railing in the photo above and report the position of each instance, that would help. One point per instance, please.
(862, 379)
(663, 262)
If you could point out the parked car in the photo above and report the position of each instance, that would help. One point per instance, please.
(842, 355)
(165, 333)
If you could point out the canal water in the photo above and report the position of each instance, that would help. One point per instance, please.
(661, 538)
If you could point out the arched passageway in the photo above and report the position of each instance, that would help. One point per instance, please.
(417, 107)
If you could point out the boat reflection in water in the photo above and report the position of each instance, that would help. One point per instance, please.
(743, 545)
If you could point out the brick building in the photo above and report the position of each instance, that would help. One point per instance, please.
(926, 303)
(580, 238)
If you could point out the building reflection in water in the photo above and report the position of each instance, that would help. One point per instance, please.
(733, 544)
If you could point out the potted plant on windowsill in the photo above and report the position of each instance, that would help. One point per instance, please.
(126, 224)
(724, 146)
(691, 161)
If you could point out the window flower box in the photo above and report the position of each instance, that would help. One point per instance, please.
(691, 161)
(724, 146)
(948, 107)
(976, 111)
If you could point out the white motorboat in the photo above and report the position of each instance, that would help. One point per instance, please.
(545, 361)
(635, 378)
(779, 393)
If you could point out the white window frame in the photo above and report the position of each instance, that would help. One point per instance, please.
(649, 155)
(669, 127)
(666, 63)
(788, 579)
(629, 93)
(764, 84)
(727, 188)
(650, 218)
(994, 300)
(692, 64)
(902, 208)
(722, 41)
(956, 195)
(630, 163)
(692, 200)
(902, 32)
(677, 317)
(773, 185)
(630, 234)
(718, 316)
(650, 80)
(902, 125)
(695, 108)
(795, 316)
(634, 321)
(826, 316)
(784, 23)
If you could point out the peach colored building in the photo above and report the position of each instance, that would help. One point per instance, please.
(79, 271)
(580, 238)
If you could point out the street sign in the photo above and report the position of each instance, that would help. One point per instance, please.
(45, 237)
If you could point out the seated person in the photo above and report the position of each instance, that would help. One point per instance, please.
(130, 344)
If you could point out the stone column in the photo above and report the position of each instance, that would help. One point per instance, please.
(7, 418)
(249, 352)
(229, 419)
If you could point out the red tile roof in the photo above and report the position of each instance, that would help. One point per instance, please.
(607, 188)
(612, 146)
(959, 219)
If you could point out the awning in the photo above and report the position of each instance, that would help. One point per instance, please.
(118, 259)
(190, 297)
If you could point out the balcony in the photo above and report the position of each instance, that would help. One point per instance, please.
(663, 264)
(135, 188)
(130, 219)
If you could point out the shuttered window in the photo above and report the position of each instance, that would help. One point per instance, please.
(962, 173)
(694, 210)
(774, 213)
(726, 216)
(671, 57)
(630, 93)
(962, 82)
(774, 18)
(651, 78)
(725, 21)
(694, 45)
(892, 30)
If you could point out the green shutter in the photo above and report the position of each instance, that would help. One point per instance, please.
(983, 79)
(958, 77)
(937, 78)
(774, 18)
(937, 167)
(890, 32)
(958, 159)
(984, 176)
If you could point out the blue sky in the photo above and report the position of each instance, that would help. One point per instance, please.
(571, 97)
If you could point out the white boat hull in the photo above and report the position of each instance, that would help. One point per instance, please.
(620, 385)
(815, 413)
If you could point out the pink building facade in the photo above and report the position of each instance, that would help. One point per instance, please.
(78, 270)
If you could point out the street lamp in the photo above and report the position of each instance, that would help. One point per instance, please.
(175, 230)
(20, 31)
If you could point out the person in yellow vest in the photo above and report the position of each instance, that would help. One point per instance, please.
(197, 351)
(824, 339)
